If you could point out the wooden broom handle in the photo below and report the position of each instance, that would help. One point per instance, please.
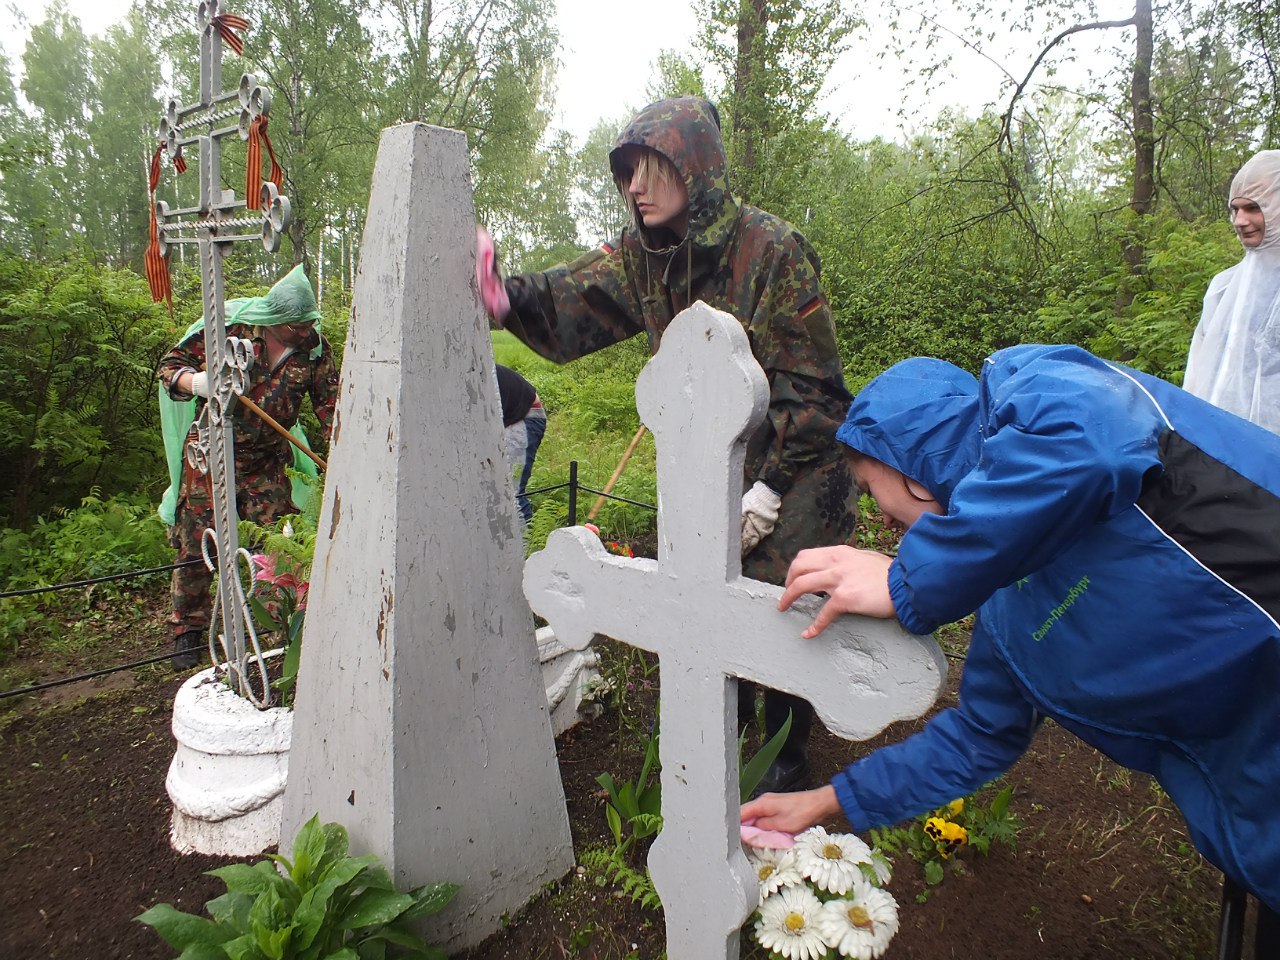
(271, 422)
(616, 473)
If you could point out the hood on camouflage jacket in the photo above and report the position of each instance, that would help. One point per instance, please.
(687, 132)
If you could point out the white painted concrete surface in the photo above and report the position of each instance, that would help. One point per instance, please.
(227, 778)
(421, 719)
(228, 775)
(570, 677)
(702, 395)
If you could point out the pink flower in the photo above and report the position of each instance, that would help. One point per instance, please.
(264, 569)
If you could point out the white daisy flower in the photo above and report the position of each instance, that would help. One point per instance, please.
(774, 869)
(831, 859)
(861, 925)
(788, 925)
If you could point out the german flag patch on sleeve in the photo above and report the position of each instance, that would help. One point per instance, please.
(811, 306)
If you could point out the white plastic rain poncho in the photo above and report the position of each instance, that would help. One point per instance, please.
(1234, 361)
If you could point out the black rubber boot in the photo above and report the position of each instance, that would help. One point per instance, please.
(1266, 944)
(188, 651)
(790, 772)
(746, 704)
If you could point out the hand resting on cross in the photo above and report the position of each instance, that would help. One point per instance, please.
(855, 581)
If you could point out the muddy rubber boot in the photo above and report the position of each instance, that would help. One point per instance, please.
(188, 651)
(790, 772)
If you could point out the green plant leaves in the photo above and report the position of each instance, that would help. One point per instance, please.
(375, 907)
(309, 852)
(430, 899)
(182, 930)
(243, 878)
(932, 872)
(330, 906)
(753, 771)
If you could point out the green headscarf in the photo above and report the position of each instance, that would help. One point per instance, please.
(291, 300)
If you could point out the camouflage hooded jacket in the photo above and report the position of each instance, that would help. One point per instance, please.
(736, 258)
(279, 390)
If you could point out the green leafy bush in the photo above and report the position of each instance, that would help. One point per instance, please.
(78, 349)
(321, 905)
(1145, 320)
(99, 538)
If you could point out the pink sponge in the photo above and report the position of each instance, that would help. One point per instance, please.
(753, 836)
(493, 291)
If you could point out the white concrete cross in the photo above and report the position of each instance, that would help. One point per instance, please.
(702, 395)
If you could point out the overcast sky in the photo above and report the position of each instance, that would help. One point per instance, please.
(608, 62)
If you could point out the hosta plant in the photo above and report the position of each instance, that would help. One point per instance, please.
(321, 905)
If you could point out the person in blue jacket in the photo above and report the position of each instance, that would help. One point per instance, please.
(1120, 541)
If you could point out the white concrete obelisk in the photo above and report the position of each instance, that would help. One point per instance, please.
(422, 721)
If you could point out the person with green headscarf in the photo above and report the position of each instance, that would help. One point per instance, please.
(292, 361)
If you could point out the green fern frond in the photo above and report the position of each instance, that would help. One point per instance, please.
(635, 884)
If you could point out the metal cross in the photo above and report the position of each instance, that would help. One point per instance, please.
(702, 395)
(213, 226)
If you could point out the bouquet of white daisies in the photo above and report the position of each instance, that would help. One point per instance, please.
(822, 898)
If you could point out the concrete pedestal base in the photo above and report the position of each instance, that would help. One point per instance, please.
(569, 676)
(227, 778)
(228, 775)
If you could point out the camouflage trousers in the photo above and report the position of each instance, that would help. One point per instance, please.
(259, 497)
(820, 510)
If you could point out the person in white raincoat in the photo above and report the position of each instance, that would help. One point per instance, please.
(1234, 361)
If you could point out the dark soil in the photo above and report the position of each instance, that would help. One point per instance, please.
(1103, 867)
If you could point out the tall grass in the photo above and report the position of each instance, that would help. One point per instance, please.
(591, 418)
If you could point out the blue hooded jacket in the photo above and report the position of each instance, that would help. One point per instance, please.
(1120, 540)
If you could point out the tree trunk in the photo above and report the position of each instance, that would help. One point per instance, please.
(1144, 141)
(753, 19)
(297, 226)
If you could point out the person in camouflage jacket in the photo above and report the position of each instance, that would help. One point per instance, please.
(689, 240)
(292, 361)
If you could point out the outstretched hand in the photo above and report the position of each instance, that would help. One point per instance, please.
(791, 812)
(493, 292)
(855, 581)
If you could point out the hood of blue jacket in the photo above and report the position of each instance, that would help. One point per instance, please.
(921, 418)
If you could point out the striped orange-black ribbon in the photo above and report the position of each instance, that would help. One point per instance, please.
(253, 163)
(155, 262)
(227, 24)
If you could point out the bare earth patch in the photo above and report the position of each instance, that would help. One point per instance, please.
(1103, 868)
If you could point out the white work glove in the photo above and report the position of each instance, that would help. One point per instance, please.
(200, 384)
(760, 507)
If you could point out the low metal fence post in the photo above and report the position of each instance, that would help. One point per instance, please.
(573, 493)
